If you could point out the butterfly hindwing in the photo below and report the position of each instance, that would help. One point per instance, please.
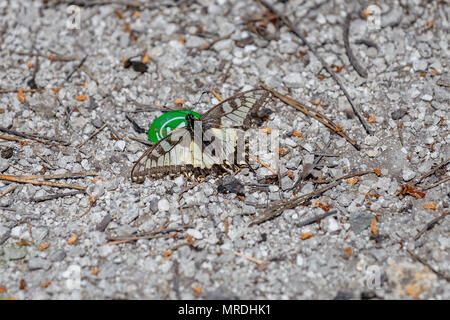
(171, 155)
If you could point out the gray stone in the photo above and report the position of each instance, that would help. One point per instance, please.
(131, 213)
(163, 205)
(15, 253)
(398, 114)
(4, 165)
(360, 221)
(58, 255)
(38, 263)
(408, 174)
(420, 65)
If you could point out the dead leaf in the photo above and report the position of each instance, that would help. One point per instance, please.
(197, 289)
(306, 235)
(373, 226)
(297, 134)
(21, 96)
(430, 206)
(72, 239)
(167, 253)
(145, 58)
(44, 246)
(353, 180)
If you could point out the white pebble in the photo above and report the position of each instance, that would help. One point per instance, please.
(163, 205)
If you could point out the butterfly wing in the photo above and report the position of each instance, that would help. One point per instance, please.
(172, 155)
(179, 152)
(235, 111)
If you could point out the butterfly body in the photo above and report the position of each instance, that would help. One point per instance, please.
(206, 145)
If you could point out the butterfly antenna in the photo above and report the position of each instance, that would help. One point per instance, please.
(199, 99)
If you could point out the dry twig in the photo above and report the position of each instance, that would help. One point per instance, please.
(278, 209)
(431, 224)
(351, 57)
(422, 261)
(21, 179)
(312, 113)
(295, 31)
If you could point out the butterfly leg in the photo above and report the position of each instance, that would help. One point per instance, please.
(248, 164)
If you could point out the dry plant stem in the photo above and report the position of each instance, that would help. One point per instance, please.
(431, 224)
(212, 43)
(92, 135)
(8, 191)
(92, 201)
(255, 260)
(77, 67)
(316, 218)
(432, 171)
(11, 138)
(347, 176)
(48, 56)
(159, 233)
(57, 196)
(422, 261)
(131, 4)
(37, 138)
(20, 179)
(295, 31)
(262, 163)
(69, 175)
(187, 189)
(431, 186)
(351, 57)
(278, 209)
(312, 113)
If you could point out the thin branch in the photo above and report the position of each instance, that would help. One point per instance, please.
(347, 176)
(11, 139)
(316, 218)
(8, 191)
(432, 171)
(158, 233)
(431, 224)
(68, 175)
(431, 186)
(351, 57)
(255, 260)
(92, 135)
(421, 260)
(57, 196)
(37, 138)
(77, 67)
(278, 209)
(50, 56)
(295, 31)
(20, 179)
(312, 113)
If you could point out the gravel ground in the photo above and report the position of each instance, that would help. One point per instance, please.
(213, 253)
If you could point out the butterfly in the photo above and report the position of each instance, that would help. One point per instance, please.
(194, 149)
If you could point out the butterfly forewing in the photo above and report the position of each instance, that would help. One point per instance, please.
(235, 111)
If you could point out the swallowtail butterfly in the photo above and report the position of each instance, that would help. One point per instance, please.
(192, 149)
